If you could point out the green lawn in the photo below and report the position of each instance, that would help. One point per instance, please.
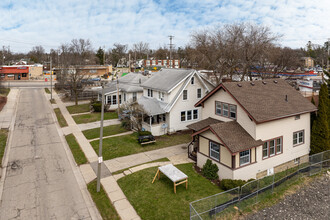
(3, 141)
(78, 108)
(47, 90)
(4, 91)
(107, 131)
(95, 116)
(61, 120)
(157, 200)
(102, 202)
(78, 154)
(128, 144)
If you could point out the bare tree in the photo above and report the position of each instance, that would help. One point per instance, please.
(37, 54)
(233, 49)
(140, 50)
(117, 53)
(73, 57)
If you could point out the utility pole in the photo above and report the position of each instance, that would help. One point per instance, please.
(171, 46)
(51, 80)
(103, 55)
(328, 54)
(100, 159)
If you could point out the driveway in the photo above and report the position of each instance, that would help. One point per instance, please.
(39, 183)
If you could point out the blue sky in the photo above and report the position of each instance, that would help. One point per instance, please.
(26, 23)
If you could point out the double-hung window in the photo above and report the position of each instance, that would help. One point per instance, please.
(150, 93)
(298, 138)
(214, 151)
(218, 108)
(134, 96)
(114, 99)
(199, 93)
(195, 114)
(265, 150)
(225, 110)
(232, 109)
(185, 95)
(183, 116)
(244, 157)
(272, 147)
(278, 145)
(189, 115)
(109, 99)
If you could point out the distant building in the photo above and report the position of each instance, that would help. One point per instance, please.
(308, 62)
(14, 73)
(163, 63)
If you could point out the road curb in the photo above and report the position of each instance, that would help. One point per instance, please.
(8, 144)
(93, 211)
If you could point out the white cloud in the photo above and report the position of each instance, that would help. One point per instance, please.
(104, 22)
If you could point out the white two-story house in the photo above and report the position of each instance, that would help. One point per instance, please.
(169, 97)
(251, 129)
(126, 89)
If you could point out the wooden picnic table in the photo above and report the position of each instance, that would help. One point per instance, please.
(174, 174)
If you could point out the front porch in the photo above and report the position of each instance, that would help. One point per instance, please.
(155, 124)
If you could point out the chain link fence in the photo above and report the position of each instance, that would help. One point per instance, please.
(241, 198)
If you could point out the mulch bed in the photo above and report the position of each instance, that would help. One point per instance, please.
(199, 171)
(3, 101)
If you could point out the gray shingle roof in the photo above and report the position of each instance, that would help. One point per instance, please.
(266, 100)
(234, 136)
(152, 106)
(127, 83)
(166, 79)
(203, 124)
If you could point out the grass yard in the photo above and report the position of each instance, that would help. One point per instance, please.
(128, 144)
(4, 91)
(102, 202)
(107, 131)
(78, 154)
(61, 120)
(95, 116)
(47, 90)
(3, 141)
(157, 200)
(78, 108)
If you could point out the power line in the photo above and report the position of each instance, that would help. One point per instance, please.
(27, 43)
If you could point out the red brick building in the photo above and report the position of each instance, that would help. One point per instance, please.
(14, 73)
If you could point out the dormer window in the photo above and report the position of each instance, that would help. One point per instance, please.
(192, 80)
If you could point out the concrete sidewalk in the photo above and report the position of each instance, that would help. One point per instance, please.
(75, 130)
(125, 162)
(9, 109)
(97, 124)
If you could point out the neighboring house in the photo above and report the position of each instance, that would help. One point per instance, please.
(251, 129)
(126, 89)
(169, 97)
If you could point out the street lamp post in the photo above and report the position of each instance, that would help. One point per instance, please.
(100, 159)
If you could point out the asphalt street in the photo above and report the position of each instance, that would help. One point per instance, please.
(27, 84)
(39, 182)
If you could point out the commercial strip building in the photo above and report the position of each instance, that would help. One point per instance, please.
(14, 73)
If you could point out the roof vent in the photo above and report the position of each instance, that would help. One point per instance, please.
(286, 98)
(275, 81)
(252, 84)
(239, 85)
(264, 82)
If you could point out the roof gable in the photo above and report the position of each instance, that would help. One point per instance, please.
(265, 100)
